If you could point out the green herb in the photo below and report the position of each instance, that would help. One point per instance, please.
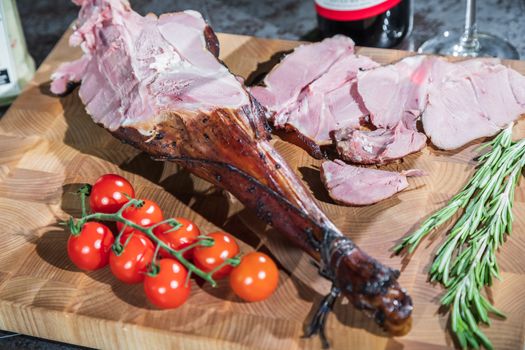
(466, 262)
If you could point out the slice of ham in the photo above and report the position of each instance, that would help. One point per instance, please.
(298, 69)
(396, 92)
(395, 95)
(459, 102)
(352, 185)
(470, 100)
(323, 100)
(379, 146)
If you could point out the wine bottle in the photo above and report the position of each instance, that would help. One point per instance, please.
(376, 23)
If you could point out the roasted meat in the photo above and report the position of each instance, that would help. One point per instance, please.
(378, 146)
(459, 102)
(312, 91)
(471, 99)
(352, 185)
(157, 84)
(396, 92)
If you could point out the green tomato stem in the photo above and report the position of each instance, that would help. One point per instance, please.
(76, 226)
(235, 261)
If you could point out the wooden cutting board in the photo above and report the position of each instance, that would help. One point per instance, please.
(49, 145)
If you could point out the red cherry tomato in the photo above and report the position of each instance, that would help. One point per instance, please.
(89, 250)
(178, 239)
(107, 194)
(147, 215)
(130, 266)
(168, 289)
(208, 258)
(255, 278)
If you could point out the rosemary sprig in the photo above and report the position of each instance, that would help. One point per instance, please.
(460, 200)
(75, 226)
(466, 262)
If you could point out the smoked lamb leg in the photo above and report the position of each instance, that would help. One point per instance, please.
(157, 84)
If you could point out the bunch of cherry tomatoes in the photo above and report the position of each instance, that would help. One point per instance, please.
(138, 259)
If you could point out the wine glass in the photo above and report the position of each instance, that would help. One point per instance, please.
(470, 43)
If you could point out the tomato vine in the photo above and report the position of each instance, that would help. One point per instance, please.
(75, 227)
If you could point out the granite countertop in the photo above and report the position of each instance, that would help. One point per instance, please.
(44, 21)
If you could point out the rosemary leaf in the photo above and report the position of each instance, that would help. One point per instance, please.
(465, 263)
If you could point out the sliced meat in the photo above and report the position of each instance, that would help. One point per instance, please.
(324, 101)
(379, 146)
(459, 102)
(298, 69)
(472, 99)
(329, 103)
(352, 185)
(396, 92)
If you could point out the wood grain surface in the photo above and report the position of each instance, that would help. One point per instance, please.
(48, 146)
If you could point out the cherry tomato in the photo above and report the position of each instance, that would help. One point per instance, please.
(208, 258)
(178, 239)
(147, 215)
(168, 289)
(107, 194)
(255, 278)
(89, 250)
(130, 266)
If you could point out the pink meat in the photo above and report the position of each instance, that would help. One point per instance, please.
(396, 92)
(470, 100)
(379, 146)
(326, 98)
(351, 185)
(331, 102)
(459, 102)
(142, 66)
(68, 72)
(298, 69)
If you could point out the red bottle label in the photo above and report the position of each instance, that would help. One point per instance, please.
(352, 10)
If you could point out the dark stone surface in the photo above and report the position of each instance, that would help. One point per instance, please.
(44, 21)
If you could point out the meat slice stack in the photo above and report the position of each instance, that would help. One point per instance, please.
(373, 117)
(458, 101)
(313, 92)
(395, 96)
(471, 99)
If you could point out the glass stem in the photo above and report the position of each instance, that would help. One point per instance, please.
(469, 39)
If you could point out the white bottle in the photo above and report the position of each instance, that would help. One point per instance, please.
(16, 65)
